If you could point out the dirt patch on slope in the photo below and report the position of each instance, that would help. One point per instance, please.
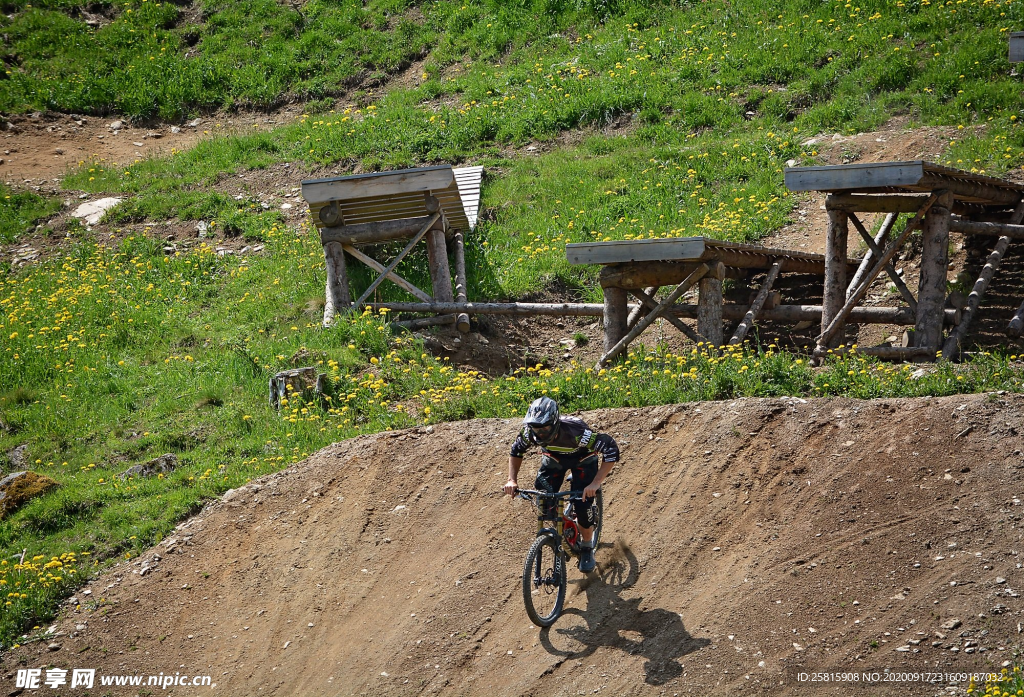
(38, 149)
(743, 539)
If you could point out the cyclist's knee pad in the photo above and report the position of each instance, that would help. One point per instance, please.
(586, 513)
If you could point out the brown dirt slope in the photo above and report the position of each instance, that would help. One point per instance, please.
(742, 539)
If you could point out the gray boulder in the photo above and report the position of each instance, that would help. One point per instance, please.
(158, 465)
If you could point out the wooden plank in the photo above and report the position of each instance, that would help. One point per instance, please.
(878, 203)
(514, 309)
(633, 333)
(389, 209)
(983, 191)
(469, 180)
(902, 316)
(648, 301)
(451, 202)
(393, 276)
(407, 205)
(746, 258)
(855, 176)
(648, 274)
(889, 268)
(377, 184)
(373, 233)
(762, 294)
(620, 251)
(1017, 47)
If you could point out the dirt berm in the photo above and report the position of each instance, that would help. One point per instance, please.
(744, 541)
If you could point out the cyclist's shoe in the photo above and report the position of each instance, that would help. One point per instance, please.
(587, 561)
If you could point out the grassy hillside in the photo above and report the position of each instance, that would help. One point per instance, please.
(663, 120)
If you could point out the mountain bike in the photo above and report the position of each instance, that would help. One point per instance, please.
(544, 572)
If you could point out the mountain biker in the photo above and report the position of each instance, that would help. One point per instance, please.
(567, 444)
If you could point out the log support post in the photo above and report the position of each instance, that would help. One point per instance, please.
(337, 293)
(834, 296)
(615, 316)
(709, 302)
(462, 320)
(931, 290)
(1017, 323)
(440, 271)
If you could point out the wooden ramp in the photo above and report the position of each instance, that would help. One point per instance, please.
(640, 267)
(437, 203)
(674, 249)
(939, 200)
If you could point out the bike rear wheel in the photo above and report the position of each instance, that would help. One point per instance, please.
(544, 577)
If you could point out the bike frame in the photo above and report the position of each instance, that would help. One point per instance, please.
(561, 519)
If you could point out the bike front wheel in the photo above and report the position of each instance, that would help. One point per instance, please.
(544, 580)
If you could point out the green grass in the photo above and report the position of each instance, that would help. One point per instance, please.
(21, 211)
(165, 59)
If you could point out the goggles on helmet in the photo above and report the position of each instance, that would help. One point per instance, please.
(543, 432)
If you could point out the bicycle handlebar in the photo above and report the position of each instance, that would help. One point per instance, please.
(527, 493)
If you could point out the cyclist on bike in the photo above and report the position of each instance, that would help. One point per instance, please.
(567, 444)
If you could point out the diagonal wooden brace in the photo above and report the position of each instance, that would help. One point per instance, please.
(869, 258)
(637, 312)
(393, 276)
(748, 319)
(394, 262)
(889, 268)
(869, 278)
(647, 321)
(648, 301)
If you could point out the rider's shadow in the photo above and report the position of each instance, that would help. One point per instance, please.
(657, 634)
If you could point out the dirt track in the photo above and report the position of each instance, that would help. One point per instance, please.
(742, 539)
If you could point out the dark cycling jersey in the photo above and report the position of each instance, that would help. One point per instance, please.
(575, 440)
